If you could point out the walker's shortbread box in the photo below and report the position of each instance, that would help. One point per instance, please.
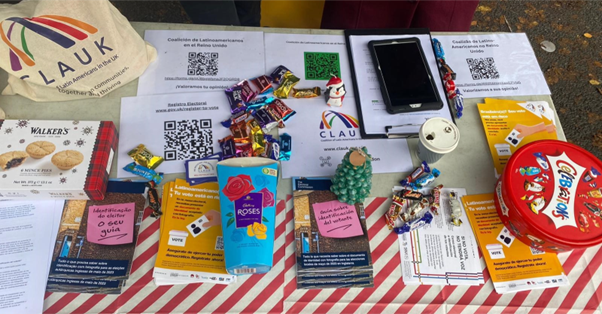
(55, 159)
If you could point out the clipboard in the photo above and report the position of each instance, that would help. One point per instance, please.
(388, 131)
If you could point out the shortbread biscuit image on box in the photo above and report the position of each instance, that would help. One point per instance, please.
(12, 159)
(67, 159)
(40, 149)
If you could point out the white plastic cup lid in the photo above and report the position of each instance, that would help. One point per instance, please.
(439, 135)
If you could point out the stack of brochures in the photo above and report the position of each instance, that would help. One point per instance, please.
(95, 246)
(332, 245)
(191, 248)
(513, 265)
(441, 253)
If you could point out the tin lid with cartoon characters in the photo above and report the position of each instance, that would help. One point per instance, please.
(557, 189)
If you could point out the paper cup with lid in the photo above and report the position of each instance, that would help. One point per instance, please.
(550, 196)
(437, 137)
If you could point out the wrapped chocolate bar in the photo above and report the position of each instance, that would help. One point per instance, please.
(422, 169)
(278, 74)
(263, 84)
(247, 92)
(397, 206)
(307, 92)
(286, 146)
(258, 143)
(272, 147)
(265, 120)
(245, 150)
(258, 103)
(142, 171)
(288, 82)
(284, 111)
(240, 132)
(142, 156)
(228, 147)
(436, 203)
(235, 99)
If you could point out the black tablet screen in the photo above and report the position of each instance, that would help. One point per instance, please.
(405, 74)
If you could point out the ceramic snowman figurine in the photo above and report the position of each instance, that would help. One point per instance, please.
(335, 92)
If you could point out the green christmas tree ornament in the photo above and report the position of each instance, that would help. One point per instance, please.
(352, 181)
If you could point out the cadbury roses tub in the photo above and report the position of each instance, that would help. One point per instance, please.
(550, 196)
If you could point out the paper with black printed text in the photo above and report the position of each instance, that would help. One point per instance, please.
(201, 61)
(494, 65)
(177, 127)
(312, 58)
(322, 135)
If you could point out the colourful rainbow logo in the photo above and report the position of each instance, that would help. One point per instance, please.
(328, 117)
(63, 31)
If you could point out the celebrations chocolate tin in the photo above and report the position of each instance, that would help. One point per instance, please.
(550, 196)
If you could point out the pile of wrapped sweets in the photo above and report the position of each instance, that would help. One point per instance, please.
(254, 115)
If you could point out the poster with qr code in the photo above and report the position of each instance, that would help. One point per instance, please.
(312, 58)
(177, 127)
(494, 65)
(201, 61)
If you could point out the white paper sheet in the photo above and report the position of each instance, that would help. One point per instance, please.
(494, 65)
(27, 236)
(322, 135)
(301, 54)
(441, 253)
(375, 115)
(177, 127)
(193, 61)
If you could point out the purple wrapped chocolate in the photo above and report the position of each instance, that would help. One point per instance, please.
(278, 73)
(234, 95)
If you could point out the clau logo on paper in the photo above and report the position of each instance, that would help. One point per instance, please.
(60, 30)
(566, 179)
(328, 120)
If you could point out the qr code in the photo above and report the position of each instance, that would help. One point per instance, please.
(203, 63)
(322, 65)
(219, 244)
(536, 251)
(187, 139)
(482, 68)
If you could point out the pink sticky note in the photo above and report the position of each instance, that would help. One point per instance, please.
(111, 224)
(337, 220)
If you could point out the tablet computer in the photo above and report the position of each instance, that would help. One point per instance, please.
(406, 81)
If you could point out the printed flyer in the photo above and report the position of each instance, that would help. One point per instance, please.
(510, 124)
(191, 248)
(181, 126)
(494, 65)
(332, 245)
(95, 244)
(201, 61)
(322, 135)
(513, 266)
(441, 253)
(313, 58)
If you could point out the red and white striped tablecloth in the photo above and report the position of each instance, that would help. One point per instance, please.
(275, 291)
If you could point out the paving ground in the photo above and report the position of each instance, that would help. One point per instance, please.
(572, 71)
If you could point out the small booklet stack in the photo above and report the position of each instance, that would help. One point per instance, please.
(95, 243)
(513, 265)
(332, 246)
(191, 248)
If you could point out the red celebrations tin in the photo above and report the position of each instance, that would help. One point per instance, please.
(550, 196)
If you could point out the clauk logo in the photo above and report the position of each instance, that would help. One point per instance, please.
(329, 123)
(61, 30)
(329, 116)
